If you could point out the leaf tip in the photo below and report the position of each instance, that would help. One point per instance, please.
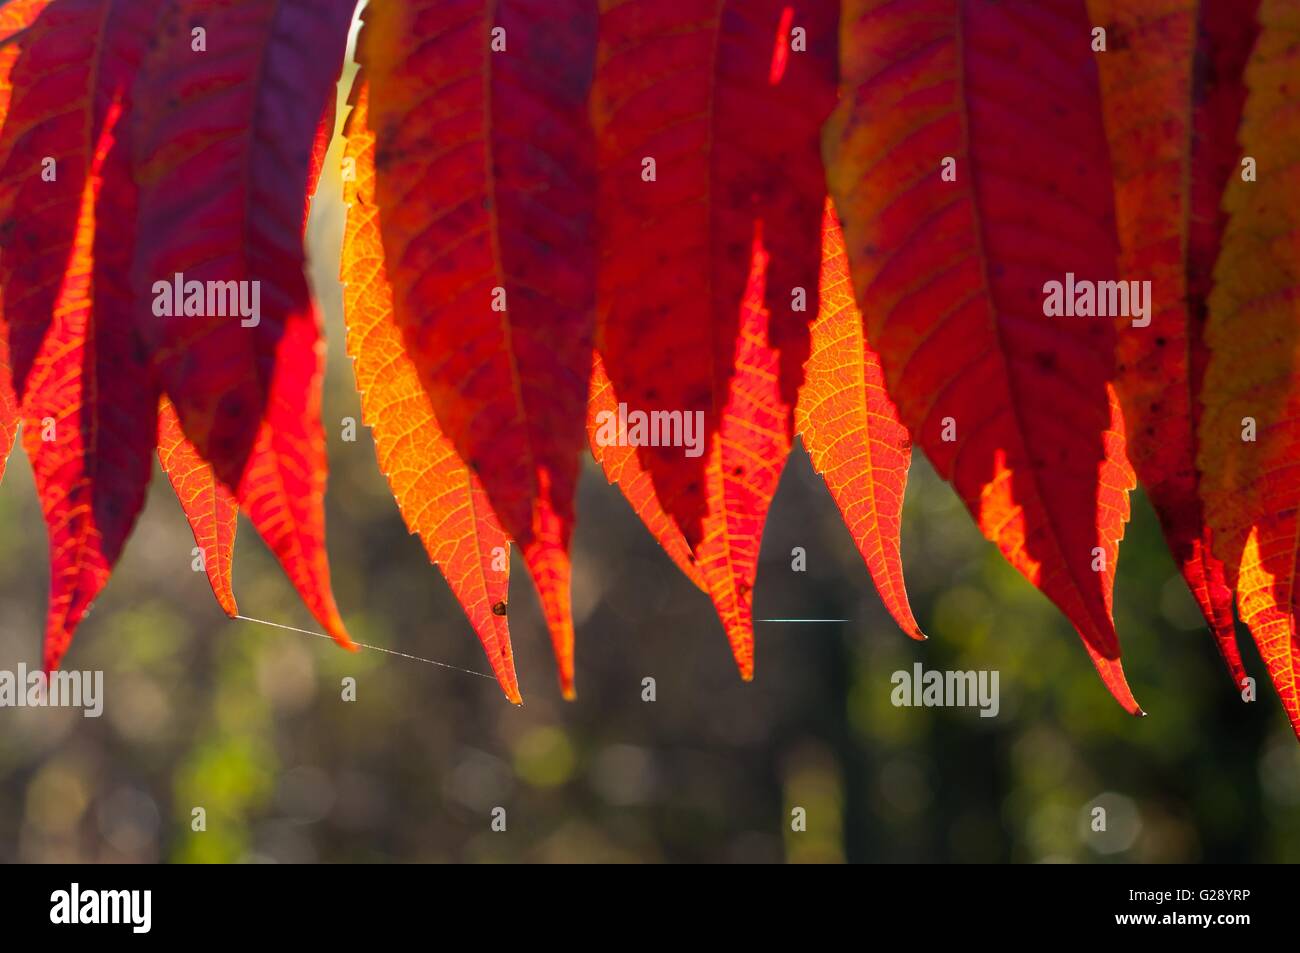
(745, 666)
(228, 605)
(340, 635)
(1112, 674)
(509, 683)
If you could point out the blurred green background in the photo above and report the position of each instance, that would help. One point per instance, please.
(248, 721)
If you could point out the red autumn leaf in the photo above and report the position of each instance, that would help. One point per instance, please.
(212, 512)
(320, 145)
(484, 187)
(72, 65)
(851, 430)
(8, 404)
(209, 507)
(87, 423)
(743, 467)
(1250, 431)
(1173, 92)
(710, 223)
(622, 467)
(439, 497)
(87, 403)
(531, 171)
(1010, 405)
(14, 18)
(678, 247)
(240, 116)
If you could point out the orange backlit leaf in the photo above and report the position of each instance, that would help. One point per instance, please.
(1173, 90)
(1010, 405)
(1250, 431)
(743, 466)
(621, 466)
(210, 508)
(439, 497)
(484, 181)
(320, 146)
(851, 430)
